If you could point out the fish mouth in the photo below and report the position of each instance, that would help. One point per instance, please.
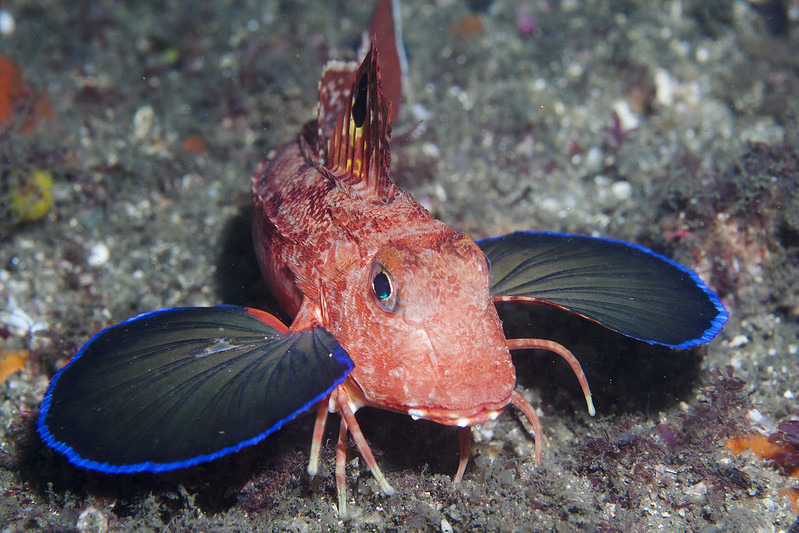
(457, 417)
(441, 415)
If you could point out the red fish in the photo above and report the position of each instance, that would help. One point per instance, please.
(392, 309)
(344, 249)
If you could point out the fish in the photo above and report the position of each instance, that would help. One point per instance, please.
(391, 308)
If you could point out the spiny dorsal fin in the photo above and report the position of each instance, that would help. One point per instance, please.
(386, 28)
(334, 92)
(355, 148)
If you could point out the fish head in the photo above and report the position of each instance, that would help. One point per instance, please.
(423, 332)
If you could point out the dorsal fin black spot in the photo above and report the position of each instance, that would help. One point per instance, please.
(359, 107)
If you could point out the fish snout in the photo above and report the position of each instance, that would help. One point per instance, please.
(467, 375)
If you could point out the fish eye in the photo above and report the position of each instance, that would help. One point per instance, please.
(383, 288)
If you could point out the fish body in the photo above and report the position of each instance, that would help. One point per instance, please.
(437, 350)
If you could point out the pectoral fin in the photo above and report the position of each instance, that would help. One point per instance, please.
(622, 286)
(177, 387)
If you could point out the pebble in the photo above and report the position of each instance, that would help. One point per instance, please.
(143, 122)
(627, 119)
(622, 190)
(98, 254)
(92, 520)
(738, 341)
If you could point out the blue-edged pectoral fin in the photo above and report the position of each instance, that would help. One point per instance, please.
(622, 286)
(177, 387)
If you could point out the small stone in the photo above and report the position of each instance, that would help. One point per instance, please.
(664, 87)
(696, 493)
(143, 122)
(98, 254)
(627, 119)
(622, 190)
(738, 341)
(92, 520)
(446, 527)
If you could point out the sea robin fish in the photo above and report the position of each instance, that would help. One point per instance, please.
(392, 309)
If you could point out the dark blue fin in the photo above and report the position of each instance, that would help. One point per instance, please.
(177, 387)
(622, 286)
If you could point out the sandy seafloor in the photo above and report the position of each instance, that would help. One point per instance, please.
(516, 132)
